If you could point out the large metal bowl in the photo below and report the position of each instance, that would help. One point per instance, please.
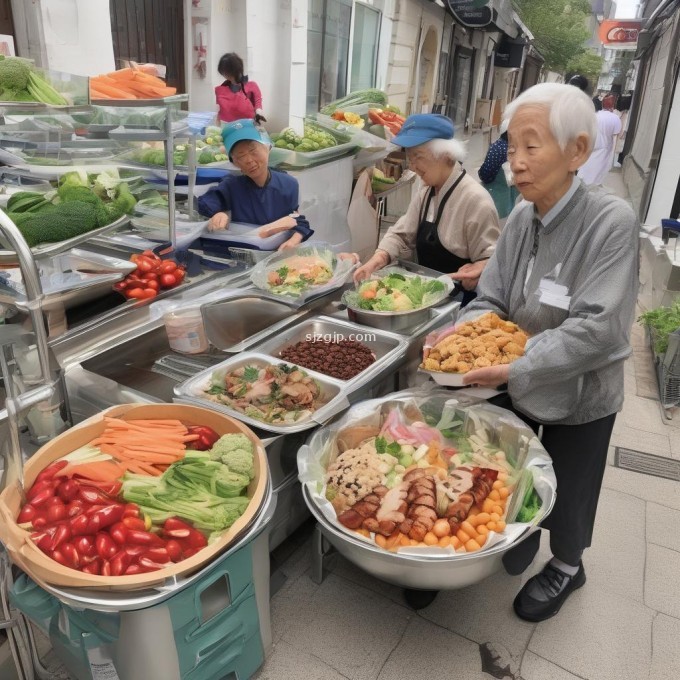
(429, 570)
(409, 571)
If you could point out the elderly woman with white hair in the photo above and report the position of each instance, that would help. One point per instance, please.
(565, 270)
(451, 222)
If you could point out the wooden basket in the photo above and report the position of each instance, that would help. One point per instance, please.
(25, 554)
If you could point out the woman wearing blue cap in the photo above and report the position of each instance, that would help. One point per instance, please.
(451, 223)
(260, 196)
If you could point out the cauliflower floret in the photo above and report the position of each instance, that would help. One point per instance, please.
(354, 474)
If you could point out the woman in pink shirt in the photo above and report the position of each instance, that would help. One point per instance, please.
(237, 97)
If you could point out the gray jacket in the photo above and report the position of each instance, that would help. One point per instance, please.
(572, 371)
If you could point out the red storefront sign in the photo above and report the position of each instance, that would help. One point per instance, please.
(618, 33)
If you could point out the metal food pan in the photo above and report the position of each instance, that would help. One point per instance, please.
(240, 321)
(50, 249)
(387, 348)
(333, 394)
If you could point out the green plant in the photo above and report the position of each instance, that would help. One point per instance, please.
(662, 321)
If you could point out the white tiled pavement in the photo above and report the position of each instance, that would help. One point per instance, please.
(624, 624)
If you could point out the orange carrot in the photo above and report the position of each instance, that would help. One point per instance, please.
(101, 471)
(114, 92)
(121, 74)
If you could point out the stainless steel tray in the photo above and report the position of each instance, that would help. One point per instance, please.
(93, 276)
(387, 347)
(51, 249)
(248, 316)
(333, 392)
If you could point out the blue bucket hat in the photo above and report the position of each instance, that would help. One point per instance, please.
(424, 127)
(240, 130)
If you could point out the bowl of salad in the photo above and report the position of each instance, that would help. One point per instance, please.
(395, 299)
(301, 273)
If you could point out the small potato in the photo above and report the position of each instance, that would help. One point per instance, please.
(472, 545)
(483, 531)
(455, 542)
(491, 526)
(380, 540)
(487, 505)
(497, 484)
(500, 526)
(441, 528)
(444, 541)
(364, 533)
(430, 539)
(414, 542)
(503, 476)
(405, 540)
(494, 495)
(499, 510)
(494, 517)
(504, 492)
(481, 540)
(462, 536)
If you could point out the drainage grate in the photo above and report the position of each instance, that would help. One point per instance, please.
(647, 464)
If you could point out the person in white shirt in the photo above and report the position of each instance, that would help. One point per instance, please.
(601, 160)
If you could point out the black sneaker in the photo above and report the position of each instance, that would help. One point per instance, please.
(419, 599)
(544, 594)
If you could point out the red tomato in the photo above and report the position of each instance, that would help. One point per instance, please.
(168, 267)
(153, 284)
(144, 264)
(179, 274)
(168, 280)
(150, 276)
(140, 293)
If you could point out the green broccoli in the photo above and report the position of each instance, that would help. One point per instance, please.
(236, 452)
(69, 192)
(14, 73)
(62, 222)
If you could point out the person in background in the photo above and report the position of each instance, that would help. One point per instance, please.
(601, 161)
(579, 81)
(565, 270)
(492, 175)
(260, 196)
(451, 222)
(237, 97)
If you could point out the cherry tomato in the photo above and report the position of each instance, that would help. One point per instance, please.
(152, 284)
(150, 276)
(168, 280)
(135, 293)
(144, 264)
(168, 267)
(179, 274)
(149, 293)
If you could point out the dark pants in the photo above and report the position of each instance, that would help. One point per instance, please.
(579, 456)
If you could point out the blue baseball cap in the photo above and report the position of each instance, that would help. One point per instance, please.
(424, 127)
(240, 130)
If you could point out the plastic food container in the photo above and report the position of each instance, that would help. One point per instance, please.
(185, 331)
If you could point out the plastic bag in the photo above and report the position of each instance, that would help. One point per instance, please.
(463, 422)
(289, 261)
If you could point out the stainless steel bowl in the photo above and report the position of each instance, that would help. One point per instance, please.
(408, 571)
(397, 322)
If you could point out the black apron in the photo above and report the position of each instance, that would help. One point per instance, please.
(431, 252)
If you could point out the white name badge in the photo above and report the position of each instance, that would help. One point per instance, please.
(554, 295)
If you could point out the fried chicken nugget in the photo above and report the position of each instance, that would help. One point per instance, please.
(482, 362)
(479, 350)
(520, 337)
(509, 327)
(502, 341)
(431, 364)
(513, 348)
(465, 330)
(463, 367)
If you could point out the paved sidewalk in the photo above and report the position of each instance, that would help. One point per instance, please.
(624, 624)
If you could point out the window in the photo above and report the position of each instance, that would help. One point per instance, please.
(459, 93)
(364, 47)
(328, 27)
